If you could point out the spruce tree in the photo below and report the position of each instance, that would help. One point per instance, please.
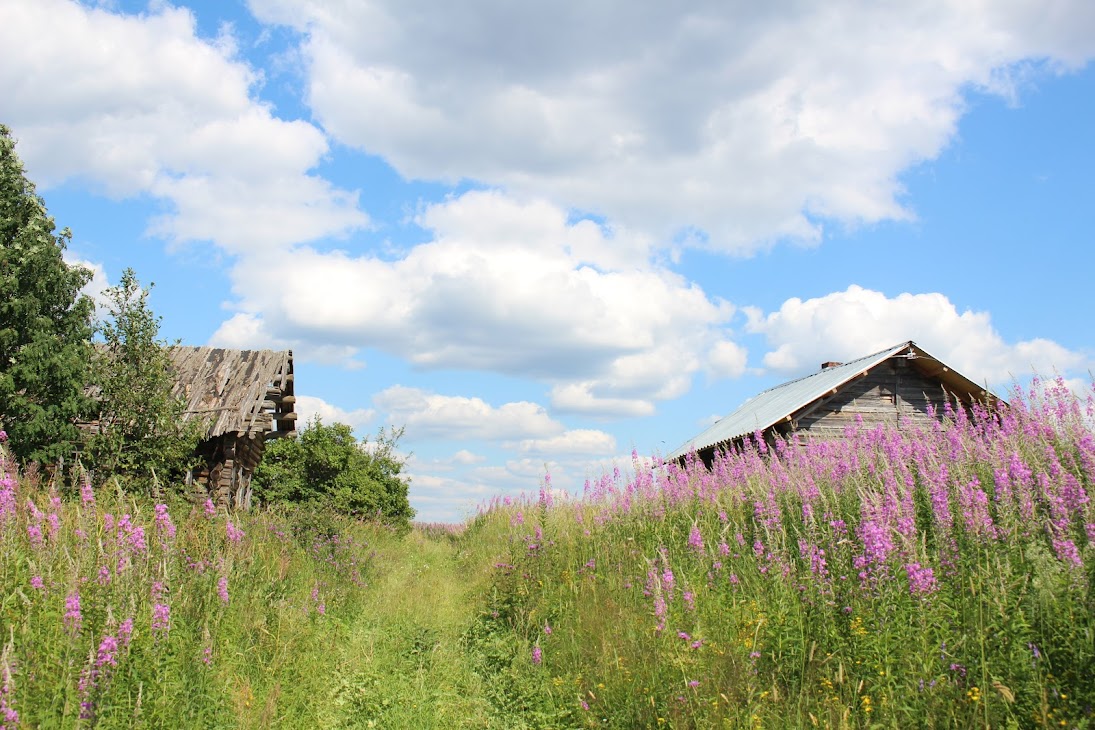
(45, 322)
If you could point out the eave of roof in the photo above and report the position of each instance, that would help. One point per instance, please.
(778, 403)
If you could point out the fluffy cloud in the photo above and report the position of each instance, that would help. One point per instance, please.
(507, 286)
(140, 105)
(99, 283)
(856, 322)
(576, 441)
(309, 407)
(432, 416)
(748, 121)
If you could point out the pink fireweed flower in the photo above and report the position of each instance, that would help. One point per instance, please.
(8, 499)
(8, 713)
(1067, 552)
(104, 575)
(210, 509)
(695, 539)
(547, 628)
(235, 534)
(321, 609)
(222, 589)
(207, 656)
(921, 579)
(537, 654)
(689, 600)
(73, 619)
(54, 523)
(3, 436)
(37, 583)
(125, 631)
(163, 522)
(34, 535)
(107, 653)
(87, 494)
(161, 619)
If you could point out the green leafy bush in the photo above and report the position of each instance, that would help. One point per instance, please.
(326, 467)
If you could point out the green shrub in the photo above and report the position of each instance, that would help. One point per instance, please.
(325, 466)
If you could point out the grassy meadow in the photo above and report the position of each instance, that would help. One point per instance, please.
(940, 577)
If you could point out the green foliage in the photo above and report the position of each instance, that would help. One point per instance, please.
(253, 628)
(45, 323)
(141, 431)
(326, 467)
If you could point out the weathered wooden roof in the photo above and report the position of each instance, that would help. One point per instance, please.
(777, 404)
(248, 391)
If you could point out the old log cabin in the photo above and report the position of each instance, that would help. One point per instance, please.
(895, 386)
(242, 398)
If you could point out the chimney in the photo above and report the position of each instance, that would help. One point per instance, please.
(830, 364)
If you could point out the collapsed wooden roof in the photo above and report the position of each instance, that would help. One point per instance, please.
(236, 391)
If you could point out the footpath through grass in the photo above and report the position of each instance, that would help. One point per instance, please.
(407, 664)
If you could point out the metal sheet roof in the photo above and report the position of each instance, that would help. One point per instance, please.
(775, 404)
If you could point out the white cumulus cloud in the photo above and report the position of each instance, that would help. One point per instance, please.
(428, 415)
(309, 407)
(750, 121)
(856, 322)
(140, 105)
(507, 286)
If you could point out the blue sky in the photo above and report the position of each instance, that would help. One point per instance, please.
(540, 237)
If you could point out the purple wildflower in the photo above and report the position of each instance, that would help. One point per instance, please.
(235, 534)
(37, 583)
(210, 509)
(695, 539)
(161, 619)
(73, 619)
(163, 522)
(222, 589)
(537, 654)
(921, 579)
(87, 494)
(108, 652)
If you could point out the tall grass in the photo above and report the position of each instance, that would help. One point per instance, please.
(912, 577)
(120, 612)
(909, 577)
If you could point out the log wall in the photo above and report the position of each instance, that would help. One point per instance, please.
(227, 464)
(893, 393)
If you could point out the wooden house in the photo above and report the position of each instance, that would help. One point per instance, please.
(895, 386)
(241, 398)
